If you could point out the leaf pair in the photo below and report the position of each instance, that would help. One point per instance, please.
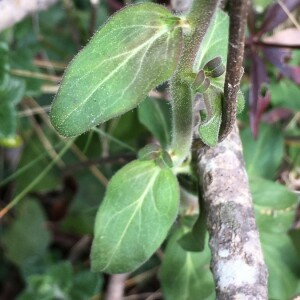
(135, 51)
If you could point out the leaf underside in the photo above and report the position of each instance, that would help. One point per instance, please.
(139, 207)
(133, 53)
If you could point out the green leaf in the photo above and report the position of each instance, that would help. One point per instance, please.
(139, 207)
(283, 265)
(11, 93)
(209, 129)
(285, 94)
(135, 51)
(274, 205)
(213, 49)
(263, 156)
(60, 282)
(185, 275)
(215, 42)
(155, 114)
(27, 236)
(4, 67)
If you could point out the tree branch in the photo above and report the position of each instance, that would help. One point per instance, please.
(237, 260)
(238, 11)
(13, 11)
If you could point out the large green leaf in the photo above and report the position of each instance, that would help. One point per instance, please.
(263, 156)
(185, 275)
(134, 52)
(139, 208)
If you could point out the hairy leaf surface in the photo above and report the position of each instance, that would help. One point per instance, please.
(215, 41)
(134, 52)
(139, 208)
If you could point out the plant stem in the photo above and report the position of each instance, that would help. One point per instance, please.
(199, 19)
(238, 11)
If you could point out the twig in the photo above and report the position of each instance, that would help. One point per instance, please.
(93, 18)
(42, 63)
(29, 74)
(272, 45)
(123, 158)
(73, 22)
(142, 296)
(115, 289)
(291, 17)
(237, 261)
(80, 247)
(13, 11)
(45, 142)
(140, 277)
(238, 11)
(93, 169)
(34, 111)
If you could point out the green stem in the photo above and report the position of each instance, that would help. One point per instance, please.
(199, 19)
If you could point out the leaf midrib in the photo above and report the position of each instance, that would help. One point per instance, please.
(135, 52)
(140, 201)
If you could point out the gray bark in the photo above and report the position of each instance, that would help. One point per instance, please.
(237, 261)
(13, 11)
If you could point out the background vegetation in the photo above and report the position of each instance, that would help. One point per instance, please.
(55, 186)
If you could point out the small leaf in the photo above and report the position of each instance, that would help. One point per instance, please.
(139, 207)
(214, 43)
(134, 52)
(240, 102)
(209, 129)
(155, 114)
(149, 152)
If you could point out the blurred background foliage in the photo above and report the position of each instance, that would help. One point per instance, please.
(55, 186)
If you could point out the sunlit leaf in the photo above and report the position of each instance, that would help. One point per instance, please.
(139, 208)
(135, 51)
